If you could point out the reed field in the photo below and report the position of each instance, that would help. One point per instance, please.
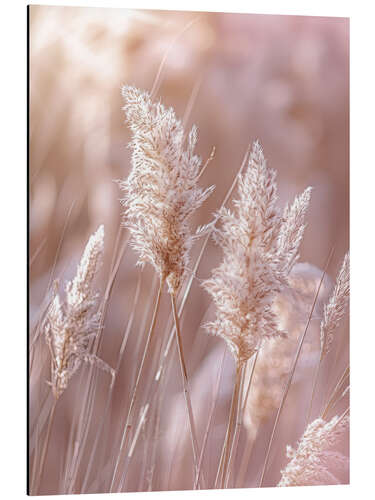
(188, 250)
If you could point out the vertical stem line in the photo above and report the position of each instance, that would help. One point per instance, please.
(209, 421)
(232, 420)
(221, 472)
(237, 423)
(109, 395)
(88, 390)
(185, 384)
(316, 376)
(128, 424)
(241, 409)
(45, 447)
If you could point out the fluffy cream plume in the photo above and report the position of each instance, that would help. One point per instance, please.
(259, 246)
(161, 192)
(310, 462)
(336, 307)
(71, 324)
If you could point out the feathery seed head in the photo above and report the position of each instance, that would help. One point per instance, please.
(292, 229)
(79, 290)
(336, 307)
(309, 463)
(161, 192)
(254, 239)
(71, 324)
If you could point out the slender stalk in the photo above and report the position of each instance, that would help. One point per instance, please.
(45, 448)
(148, 440)
(233, 421)
(338, 399)
(291, 374)
(114, 270)
(141, 423)
(208, 427)
(109, 396)
(191, 102)
(247, 451)
(138, 350)
(250, 380)
(150, 402)
(157, 81)
(244, 464)
(88, 391)
(35, 463)
(37, 251)
(237, 425)
(208, 161)
(316, 376)
(128, 424)
(66, 222)
(219, 473)
(172, 460)
(147, 313)
(185, 384)
(154, 442)
(41, 419)
(331, 399)
(240, 417)
(222, 469)
(115, 247)
(343, 415)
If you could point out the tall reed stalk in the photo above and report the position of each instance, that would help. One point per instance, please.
(242, 402)
(35, 487)
(185, 384)
(222, 471)
(79, 434)
(129, 418)
(109, 396)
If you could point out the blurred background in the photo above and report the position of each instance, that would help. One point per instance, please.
(239, 77)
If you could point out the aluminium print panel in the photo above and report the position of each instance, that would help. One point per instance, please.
(188, 250)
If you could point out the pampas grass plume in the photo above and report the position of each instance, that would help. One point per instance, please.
(260, 246)
(309, 463)
(336, 307)
(70, 325)
(161, 193)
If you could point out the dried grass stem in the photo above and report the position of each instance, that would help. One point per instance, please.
(128, 423)
(185, 383)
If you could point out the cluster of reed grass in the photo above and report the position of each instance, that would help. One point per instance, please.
(260, 247)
